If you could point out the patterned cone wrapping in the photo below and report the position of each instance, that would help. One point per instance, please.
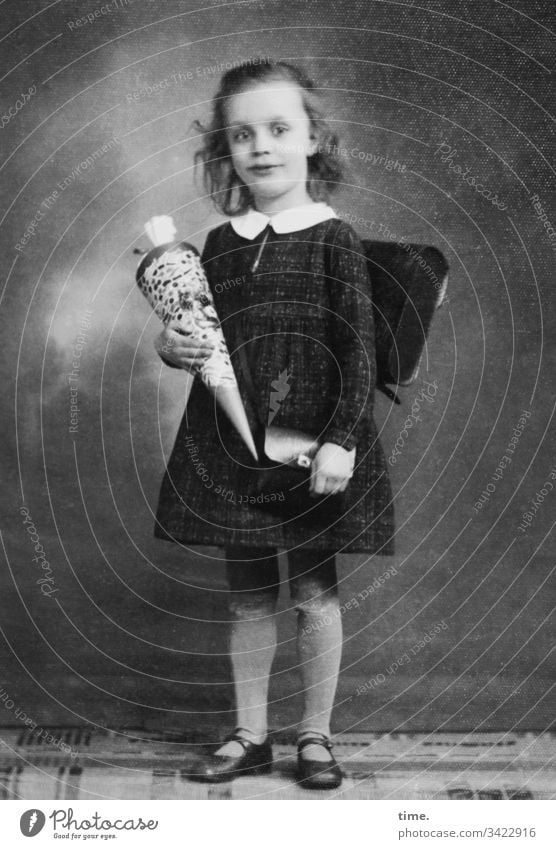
(172, 279)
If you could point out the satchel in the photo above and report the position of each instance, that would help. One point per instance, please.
(408, 285)
(280, 482)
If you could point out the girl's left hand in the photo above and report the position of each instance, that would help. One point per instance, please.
(331, 469)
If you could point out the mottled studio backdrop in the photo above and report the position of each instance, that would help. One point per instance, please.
(444, 111)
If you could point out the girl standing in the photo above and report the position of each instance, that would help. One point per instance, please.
(290, 283)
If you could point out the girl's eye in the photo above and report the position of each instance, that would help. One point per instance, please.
(279, 129)
(240, 135)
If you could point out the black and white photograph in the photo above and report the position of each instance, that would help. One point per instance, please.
(278, 426)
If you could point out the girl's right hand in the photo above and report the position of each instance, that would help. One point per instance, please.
(182, 351)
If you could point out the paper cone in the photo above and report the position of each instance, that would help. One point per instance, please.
(229, 399)
(172, 278)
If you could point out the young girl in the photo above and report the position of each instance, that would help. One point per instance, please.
(290, 283)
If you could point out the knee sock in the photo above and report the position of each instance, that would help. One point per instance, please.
(252, 650)
(254, 581)
(319, 649)
(314, 592)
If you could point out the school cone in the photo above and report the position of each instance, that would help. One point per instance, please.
(172, 279)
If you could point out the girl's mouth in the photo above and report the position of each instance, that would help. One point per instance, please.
(261, 170)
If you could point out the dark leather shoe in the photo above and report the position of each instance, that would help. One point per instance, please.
(317, 775)
(255, 760)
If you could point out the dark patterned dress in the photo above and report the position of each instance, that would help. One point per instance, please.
(305, 319)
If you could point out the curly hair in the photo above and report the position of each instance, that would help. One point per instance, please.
(229, 194)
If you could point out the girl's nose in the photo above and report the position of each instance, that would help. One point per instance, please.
(261, 142)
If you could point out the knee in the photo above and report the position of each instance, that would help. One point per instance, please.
(251, 605)
(316, 614)
(314, 584)
(317, 604)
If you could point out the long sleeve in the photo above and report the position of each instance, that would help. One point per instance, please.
(353, 340)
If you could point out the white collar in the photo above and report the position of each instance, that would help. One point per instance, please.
(251, 223)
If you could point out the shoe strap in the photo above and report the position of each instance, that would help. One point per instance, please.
(318, 741)
(236, 736)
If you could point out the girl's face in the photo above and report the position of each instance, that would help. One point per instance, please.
(270, 137)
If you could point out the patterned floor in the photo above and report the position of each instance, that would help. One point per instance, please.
(76, 763)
